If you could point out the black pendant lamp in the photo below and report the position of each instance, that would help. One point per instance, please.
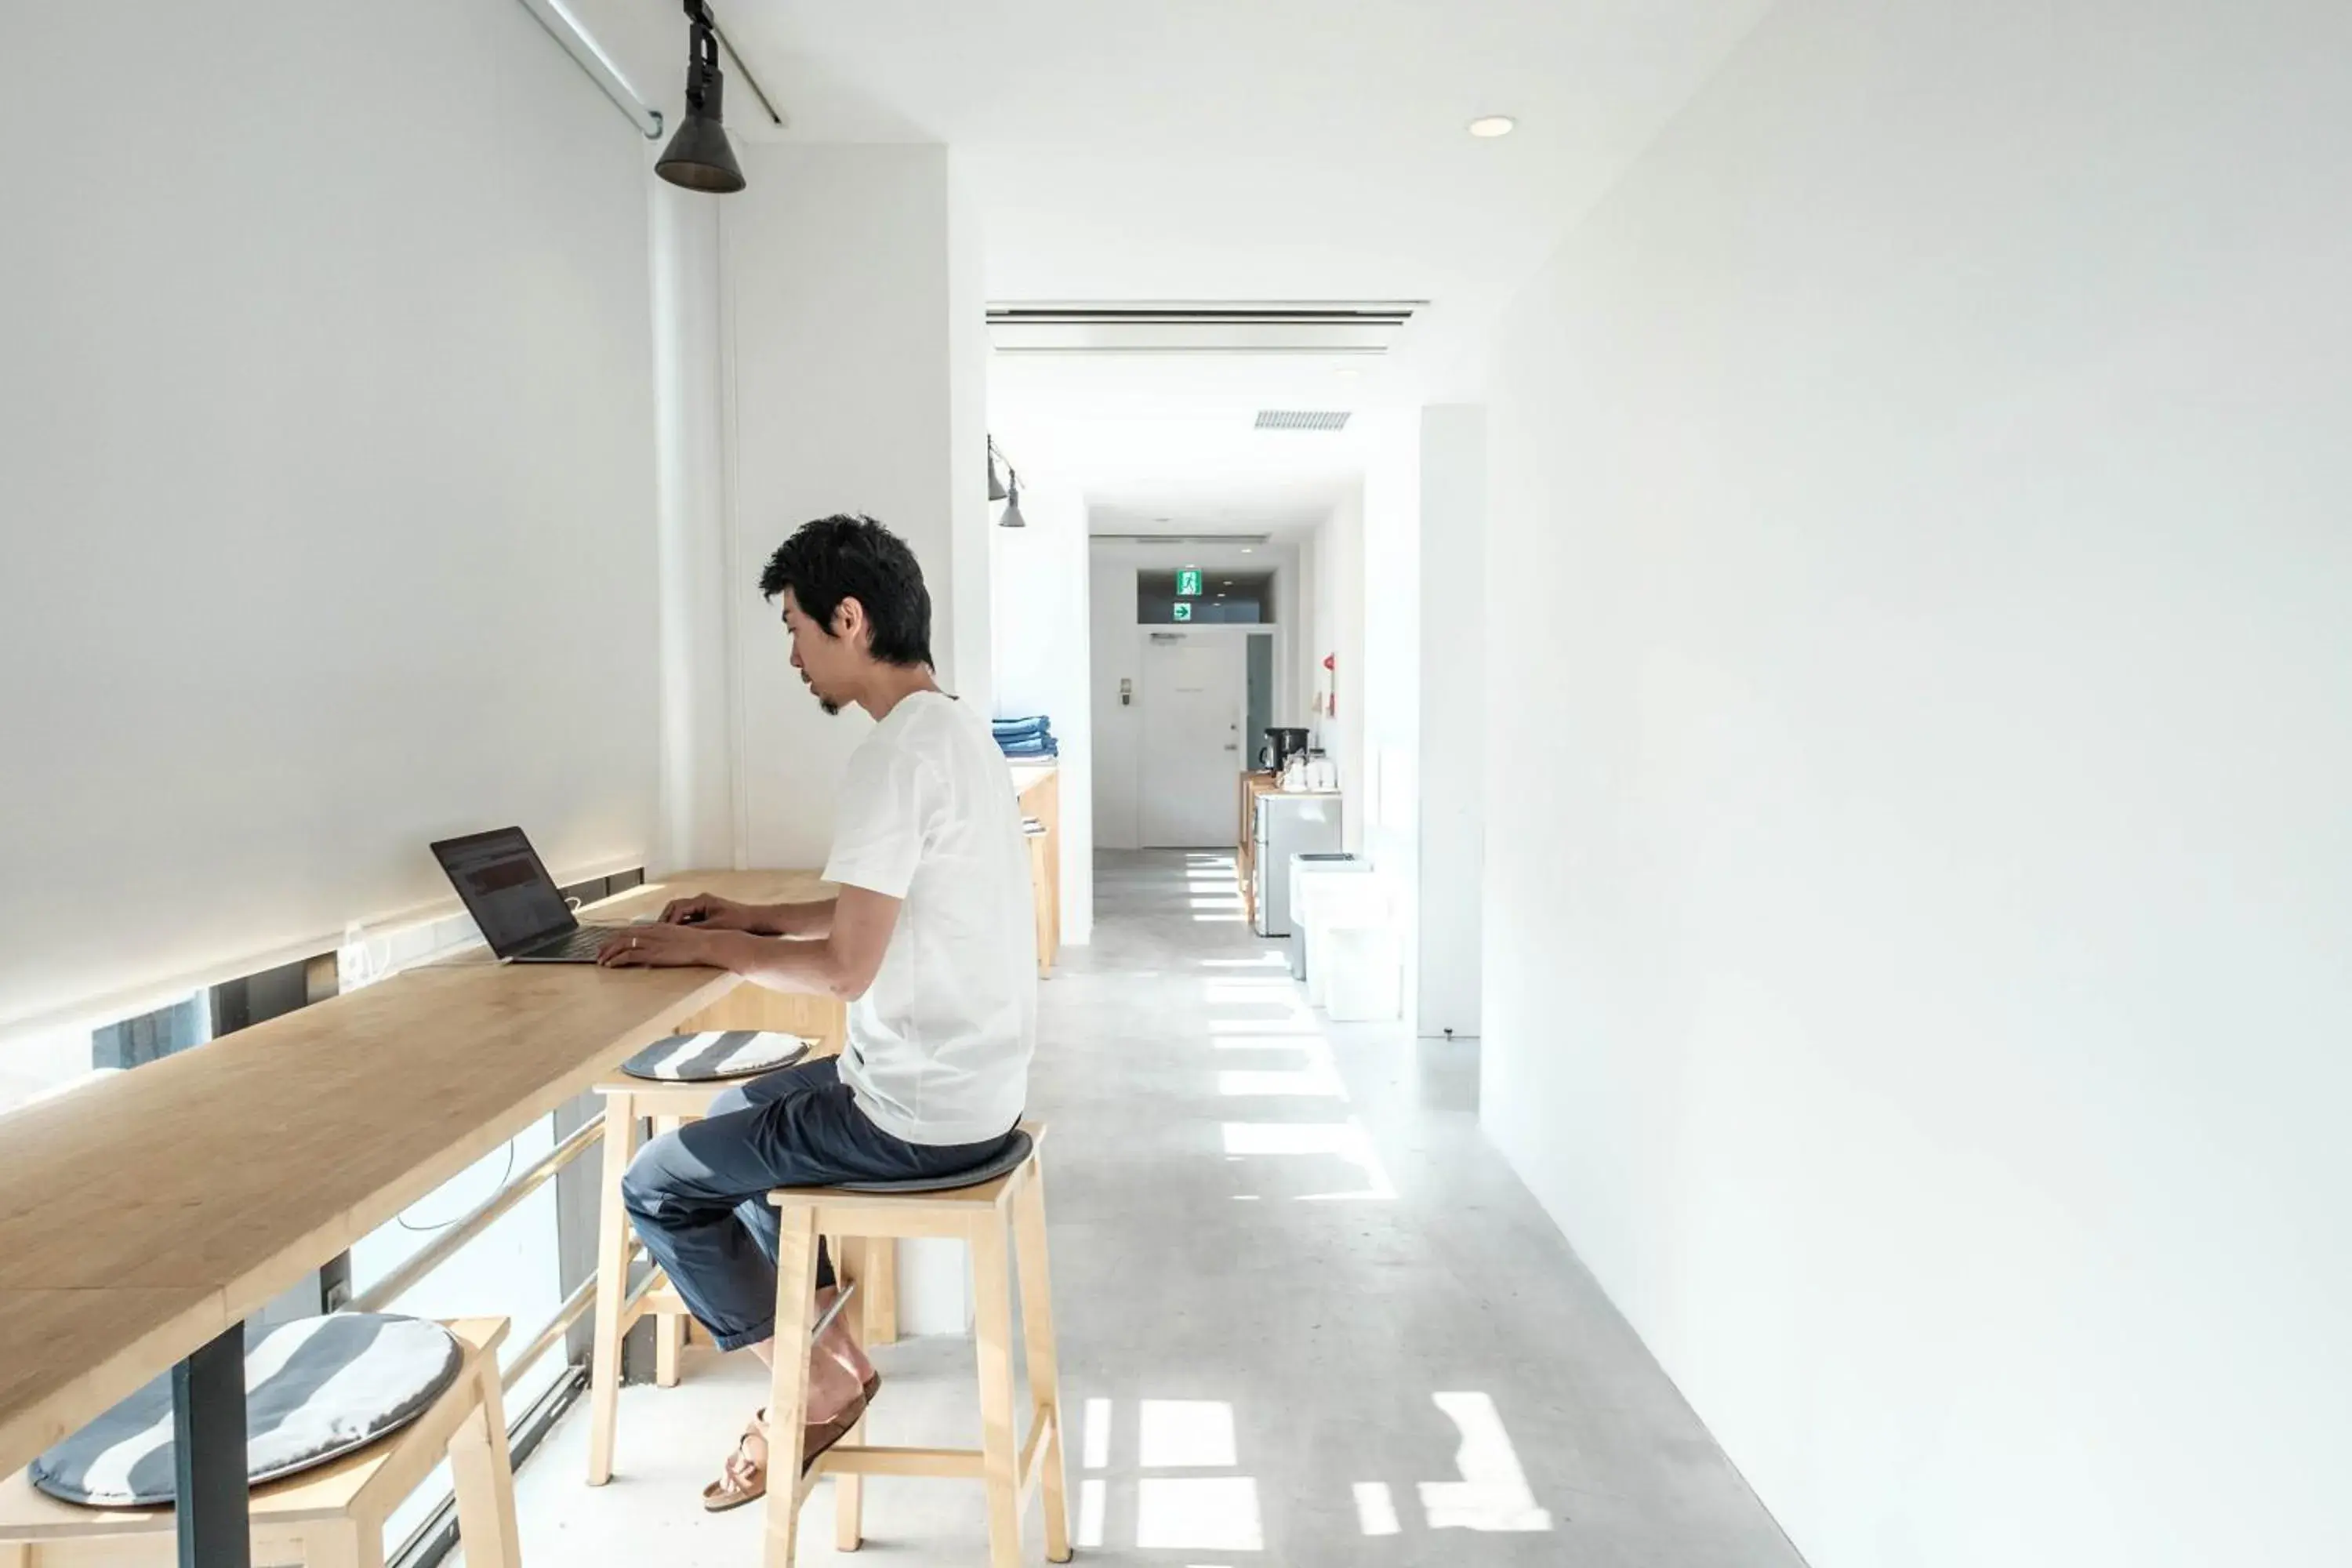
(698, 157)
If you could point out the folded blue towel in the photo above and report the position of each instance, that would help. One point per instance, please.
(1017, 729)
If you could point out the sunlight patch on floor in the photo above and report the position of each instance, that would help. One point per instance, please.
(1314, 1083)
(1198, 1513)
(1492, 1494)
(1187, 1434)
(1338, 1139)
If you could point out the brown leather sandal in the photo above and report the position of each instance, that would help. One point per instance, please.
(744, 1480)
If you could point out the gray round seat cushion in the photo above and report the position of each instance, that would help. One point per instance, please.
(315, 1390)
(715, 1055)
(1003, 1162)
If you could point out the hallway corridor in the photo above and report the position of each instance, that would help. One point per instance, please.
(1307, 1316)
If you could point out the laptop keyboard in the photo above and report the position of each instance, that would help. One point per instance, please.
(585, 943)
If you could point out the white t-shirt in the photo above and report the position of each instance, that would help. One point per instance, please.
(939, 1047)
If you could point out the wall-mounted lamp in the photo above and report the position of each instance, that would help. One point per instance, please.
(699, 156)
(1009, 493)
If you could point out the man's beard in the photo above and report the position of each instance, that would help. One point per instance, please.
(832, 709)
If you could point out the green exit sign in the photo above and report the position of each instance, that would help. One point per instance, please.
(1184, 611)
(1188, 583)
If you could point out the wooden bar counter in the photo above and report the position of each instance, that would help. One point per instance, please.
(143, 1215)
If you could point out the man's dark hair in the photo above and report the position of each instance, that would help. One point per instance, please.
(838, 558)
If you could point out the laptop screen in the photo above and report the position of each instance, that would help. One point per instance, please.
(506, 890)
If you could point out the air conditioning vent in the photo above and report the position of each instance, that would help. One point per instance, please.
(1228, 327)
(1300, 419)
(1199, 539)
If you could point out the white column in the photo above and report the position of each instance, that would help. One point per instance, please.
(1452, 739)
(1385, 737)
(697, 805)
(856, 383)
(854, 331)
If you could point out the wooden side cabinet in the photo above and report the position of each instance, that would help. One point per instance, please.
(1040, 791)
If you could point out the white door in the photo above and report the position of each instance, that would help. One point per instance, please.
(1194, 688)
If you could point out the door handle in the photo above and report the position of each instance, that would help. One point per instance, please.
(1232, 745)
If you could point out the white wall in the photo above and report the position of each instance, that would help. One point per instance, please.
(848, 360)
(326, 449)
(1039, 623)
(1116, 652)
(1337, 630)
(1919, 677)
(1453, 716)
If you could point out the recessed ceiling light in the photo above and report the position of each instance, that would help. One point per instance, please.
(1493, 125)
(1249, 549)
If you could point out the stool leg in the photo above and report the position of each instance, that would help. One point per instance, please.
(483, 1471)
(669, 1328)
(612, 1288)
(999, 1439)
(881, 1292)
(788, 1390)
(1045, 1358)
(852, 1260)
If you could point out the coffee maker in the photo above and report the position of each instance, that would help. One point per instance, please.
(1281, 746)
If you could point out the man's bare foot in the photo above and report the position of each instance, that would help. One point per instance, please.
(841, 1340)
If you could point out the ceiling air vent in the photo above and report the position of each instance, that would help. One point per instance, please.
(1191, 327)
(1201, 538)
(1298, 419)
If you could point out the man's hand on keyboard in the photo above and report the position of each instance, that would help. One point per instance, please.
(663, 947)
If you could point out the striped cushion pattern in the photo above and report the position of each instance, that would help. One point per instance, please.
(715, 1053)
(315, 1390)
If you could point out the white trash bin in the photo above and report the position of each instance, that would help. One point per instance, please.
(1338, 903)
(1306, 872)
(1363, 974)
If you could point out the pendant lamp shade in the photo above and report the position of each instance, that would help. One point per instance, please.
(1012, 518)
(698, 157)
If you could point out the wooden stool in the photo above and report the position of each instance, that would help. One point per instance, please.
(1007, 1208)
(618, 1308)
(331, 1517)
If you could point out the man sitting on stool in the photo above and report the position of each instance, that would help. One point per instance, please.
(929, 943)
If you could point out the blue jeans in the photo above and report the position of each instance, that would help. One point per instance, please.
(698, 1196)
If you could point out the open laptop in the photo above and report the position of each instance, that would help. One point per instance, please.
(514, 901)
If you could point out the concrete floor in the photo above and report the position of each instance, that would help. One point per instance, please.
(1307, 1316)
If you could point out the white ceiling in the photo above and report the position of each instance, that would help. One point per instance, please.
(1172, 444)
(1210, 150)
